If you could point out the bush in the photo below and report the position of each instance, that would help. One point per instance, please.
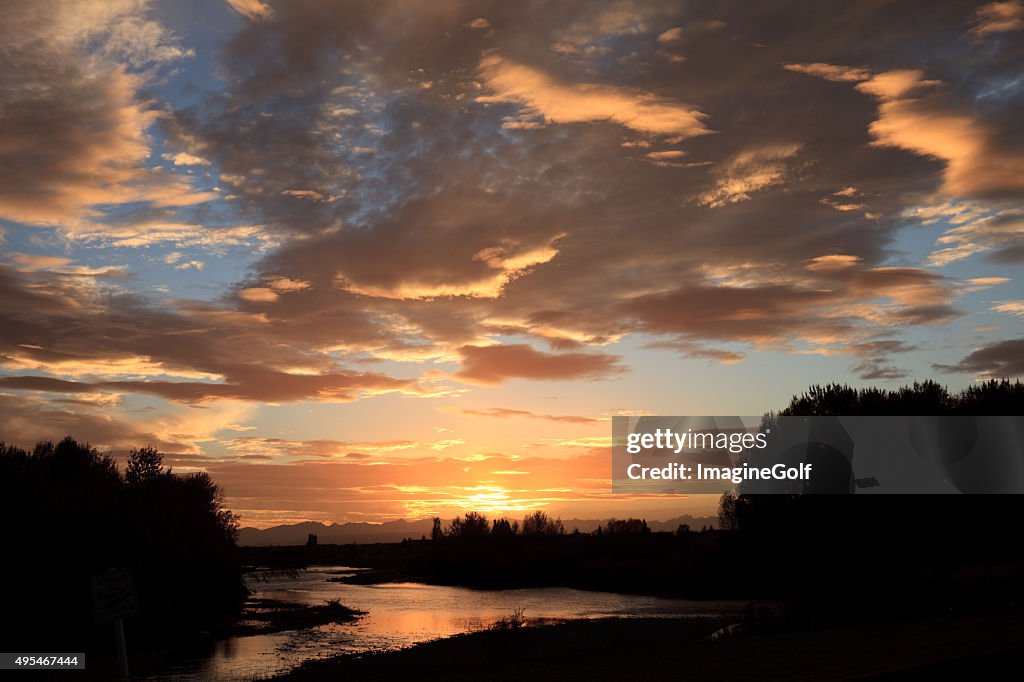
(511, 622)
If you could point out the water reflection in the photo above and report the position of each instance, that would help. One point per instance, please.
(402, 614)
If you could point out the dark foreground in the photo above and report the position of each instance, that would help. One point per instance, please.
(969, 647)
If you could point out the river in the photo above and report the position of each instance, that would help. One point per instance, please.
(403, 614)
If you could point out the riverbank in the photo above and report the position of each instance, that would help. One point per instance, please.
(268, 616)
(638, 649)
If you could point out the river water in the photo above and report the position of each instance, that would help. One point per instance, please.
(403, 614)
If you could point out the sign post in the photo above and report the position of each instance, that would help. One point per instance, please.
(113, 595)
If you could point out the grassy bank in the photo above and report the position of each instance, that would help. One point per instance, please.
(640, 649)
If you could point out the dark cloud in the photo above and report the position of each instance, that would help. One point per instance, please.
(869, 370)
(253, 384)
(998, 360)
(26, 420)
(494, 364)
(874, 357)
(55, 324)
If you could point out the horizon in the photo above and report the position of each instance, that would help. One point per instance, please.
(363, 261)
(426, 519)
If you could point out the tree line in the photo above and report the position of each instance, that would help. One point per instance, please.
(988, 398)
(69, 513)
(475, 526)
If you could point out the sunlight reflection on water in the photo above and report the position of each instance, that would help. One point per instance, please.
(402, 614)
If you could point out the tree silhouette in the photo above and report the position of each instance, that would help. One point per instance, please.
(472, 525)
(727, 517)
(539, 523)
(503, 528)
(922, 398)
(143, 464)
(77, 516)
(626, 527)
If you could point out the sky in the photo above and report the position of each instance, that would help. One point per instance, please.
(370, 260)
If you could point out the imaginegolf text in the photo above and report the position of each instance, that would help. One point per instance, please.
(699, 472)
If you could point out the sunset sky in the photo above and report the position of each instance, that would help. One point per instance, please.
(369, 260)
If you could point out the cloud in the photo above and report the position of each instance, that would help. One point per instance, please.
(196, 353)
(914, 115)
(251, 9)
(310, 194)
(1002, 359)
(490, 365)
(502, 413)
(998, 17)
(919, 115)
(671, 35)
(73, 124)
(750, 171)
(830, 72)
(832, 261)
(258, 295)
(286, 284)
(504, 263)
(789, 315)
(981, 231)
(842, 205)
(106, 423)
(873, 359)
(149, 231)
(982, 283)
(185, 159)
(666, 155)
(243, 384)
(276, 448)
(140, 42)
(544, 96)
(1015, 308)
(869, 370)
(28, 262)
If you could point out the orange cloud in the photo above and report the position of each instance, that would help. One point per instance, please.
(750, 171)
(832, 261)
(251, 9)
(998, 17)
(258, 295)
(917, 115)
(544, 96)
(502, 412)
(490, 365)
